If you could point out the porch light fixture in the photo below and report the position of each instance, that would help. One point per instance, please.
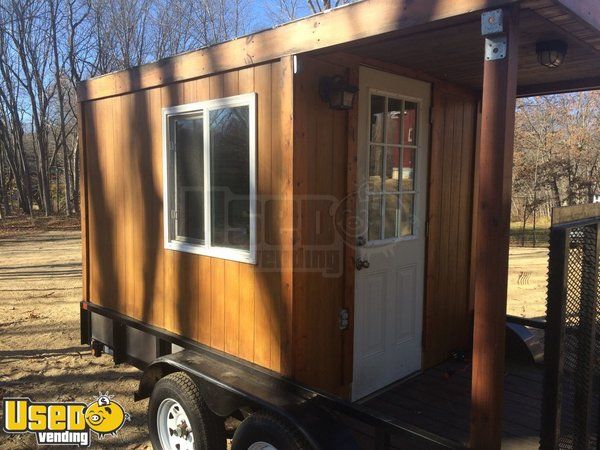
(551, 53)
(337, 92)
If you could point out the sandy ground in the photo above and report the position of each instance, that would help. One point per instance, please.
(527, 282)
(40, 354)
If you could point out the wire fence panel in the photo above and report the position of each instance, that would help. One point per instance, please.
(572, 350)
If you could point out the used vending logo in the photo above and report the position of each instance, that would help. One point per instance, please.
(64, 423)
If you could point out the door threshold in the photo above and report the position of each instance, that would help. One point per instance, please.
(389, 387)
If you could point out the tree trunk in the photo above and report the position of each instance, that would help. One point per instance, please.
(62, 115)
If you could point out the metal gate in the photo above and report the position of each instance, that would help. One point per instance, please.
(571, 415)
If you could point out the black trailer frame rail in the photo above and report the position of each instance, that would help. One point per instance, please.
(257, 386)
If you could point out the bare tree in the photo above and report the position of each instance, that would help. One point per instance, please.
(53, 6)
(557, 150)
(31, 46)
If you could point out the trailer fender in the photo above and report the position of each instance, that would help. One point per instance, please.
(220, 401)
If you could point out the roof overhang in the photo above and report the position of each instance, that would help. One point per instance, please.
(362, 24)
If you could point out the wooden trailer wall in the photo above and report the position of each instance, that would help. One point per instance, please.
(325, 165)
(231, 306)
(268, 314)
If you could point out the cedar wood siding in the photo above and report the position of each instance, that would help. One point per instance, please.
(231, 306)
(323, 353)
(240, 308)
(320, 162)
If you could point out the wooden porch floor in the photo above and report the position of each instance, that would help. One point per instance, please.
(438, 401)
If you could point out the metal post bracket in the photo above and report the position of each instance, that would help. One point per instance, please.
(492, 22)
(495, 48)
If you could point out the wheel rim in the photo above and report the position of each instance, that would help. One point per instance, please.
(262, 446)
(174, 427)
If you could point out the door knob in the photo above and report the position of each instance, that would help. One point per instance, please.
(362, 263)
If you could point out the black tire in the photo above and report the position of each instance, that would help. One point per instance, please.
(269, 428)
(208, 429)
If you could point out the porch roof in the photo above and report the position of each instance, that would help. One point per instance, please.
(454, 50)
(438, 37)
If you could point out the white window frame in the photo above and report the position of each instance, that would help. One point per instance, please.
(206, 248)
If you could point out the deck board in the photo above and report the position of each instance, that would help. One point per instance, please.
(438, 400)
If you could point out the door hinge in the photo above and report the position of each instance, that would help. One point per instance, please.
(431, 111)
(344, 319)
(174, 214)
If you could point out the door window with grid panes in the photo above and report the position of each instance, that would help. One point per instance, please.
(393, 144)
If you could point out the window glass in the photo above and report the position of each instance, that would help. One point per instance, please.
(188, 160)
(394, 124)
(210, 178)
(374, 217)
(375, 168)
(230, 177)
(392, 216)
(408, 169)
(377, 118)
(392, 167)
(410, 123)
(408, 213)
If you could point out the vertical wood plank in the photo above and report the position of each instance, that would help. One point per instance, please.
(232, 306)
(120, 213)
(350, 234)
(285, 87)
(275, 277)
(204, 321)
(204, 301)
(217, 287)
(128, 136)
(144, 211)
(155, 271)
(246, 272)
(174, 273)
(263, 297)
(246, 315)
(83, 198)
(232, 268)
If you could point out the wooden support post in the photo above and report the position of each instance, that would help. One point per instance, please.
(492, 234)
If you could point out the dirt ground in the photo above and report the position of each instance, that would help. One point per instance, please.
(40, 354)
(527, 282)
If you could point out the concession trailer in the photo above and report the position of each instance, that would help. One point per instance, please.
(285, 229)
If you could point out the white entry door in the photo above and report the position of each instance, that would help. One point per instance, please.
(393, 136)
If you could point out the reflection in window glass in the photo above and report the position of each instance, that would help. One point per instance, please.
(392, 216)
(410, 123)
(392, 169)
(408, 169)
(375, 168)
(408, 212)
(377, 118)
(394, 123)
(374, 217)
(393, 127)
(189, 170)
(230, 178)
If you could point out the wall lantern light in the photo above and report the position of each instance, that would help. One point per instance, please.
(551, 53)
(337, 92)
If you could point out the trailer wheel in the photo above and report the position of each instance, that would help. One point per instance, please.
(179, 419)
(266, 431)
